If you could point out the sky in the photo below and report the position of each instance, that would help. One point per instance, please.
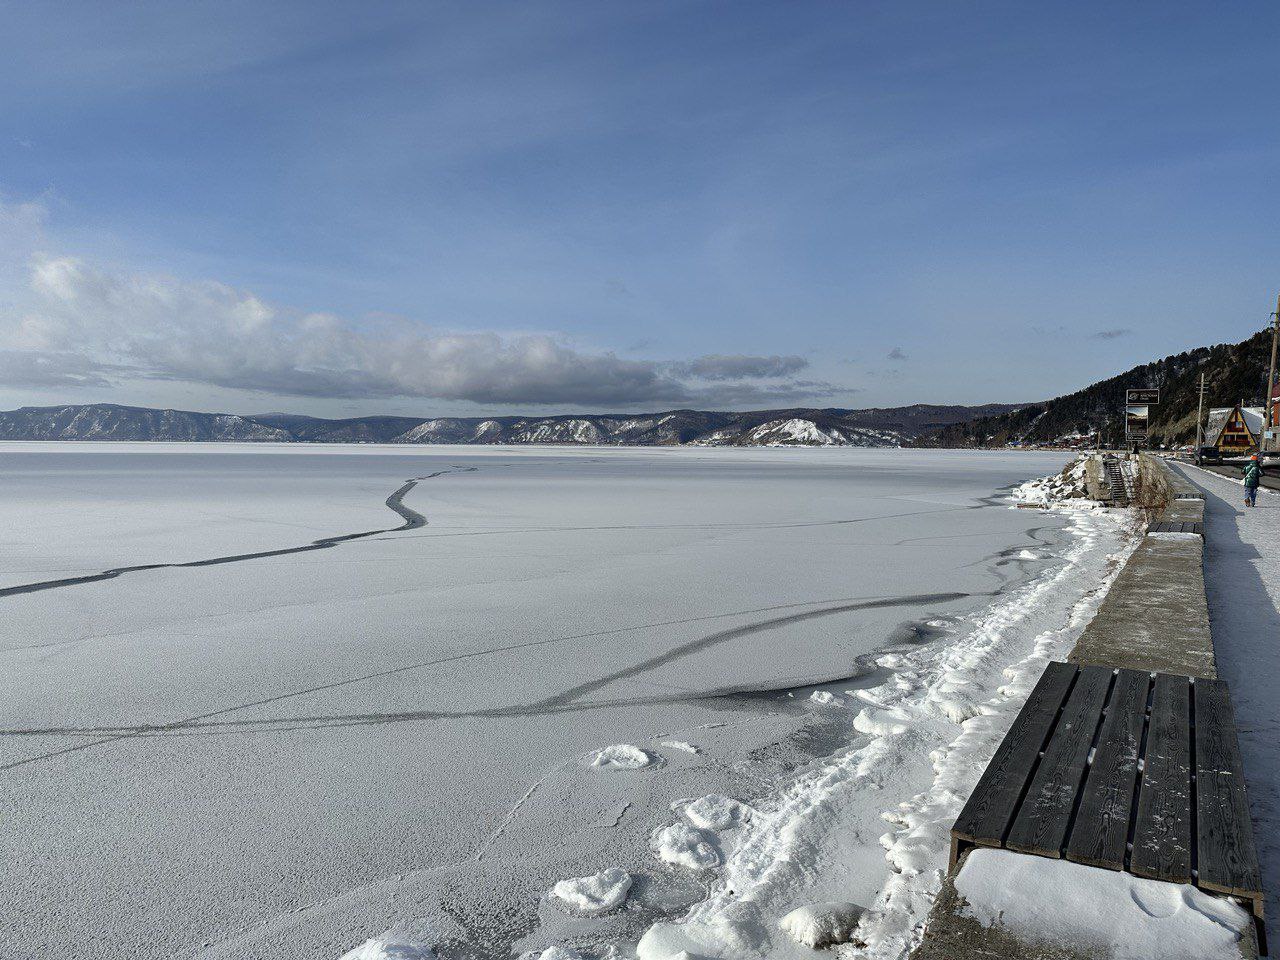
(486, 207)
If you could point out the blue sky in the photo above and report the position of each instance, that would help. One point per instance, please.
(491, 207)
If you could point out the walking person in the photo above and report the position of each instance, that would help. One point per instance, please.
(1252, 480)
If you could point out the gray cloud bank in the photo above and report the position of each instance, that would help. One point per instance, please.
(75, 325)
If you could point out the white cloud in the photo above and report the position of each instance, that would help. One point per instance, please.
(76, 324)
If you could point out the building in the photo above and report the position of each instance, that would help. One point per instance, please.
(1234, 430)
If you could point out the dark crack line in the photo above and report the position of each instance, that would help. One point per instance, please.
(694, 526)
(566, 701)
(412, 521)
(470, 655)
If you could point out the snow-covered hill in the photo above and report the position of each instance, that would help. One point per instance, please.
(769, 428)
(799, 432)
(111, 422)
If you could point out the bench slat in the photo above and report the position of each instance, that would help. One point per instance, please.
(1227, 860)
(1101, 829)
(1162, 834)
(990, 809)
(1045, 815)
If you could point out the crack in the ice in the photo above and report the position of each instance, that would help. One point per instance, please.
(412, 521)
(566, 701)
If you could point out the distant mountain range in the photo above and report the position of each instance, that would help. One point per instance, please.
(1233, 372)
(879, 427)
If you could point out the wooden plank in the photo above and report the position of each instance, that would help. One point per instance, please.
(986, 816)
(1162, 831)
(1044, 818)
(1226, 858)
(1101, 830)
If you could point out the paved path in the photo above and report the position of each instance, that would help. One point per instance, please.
(1242, 582)
(1269, 480)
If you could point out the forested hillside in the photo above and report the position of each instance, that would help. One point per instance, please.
(1233, 372)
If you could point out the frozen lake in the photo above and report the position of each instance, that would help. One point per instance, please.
(285, 755)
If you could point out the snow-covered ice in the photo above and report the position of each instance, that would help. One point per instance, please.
(1115, 914)
(316, 745)
(595, 894)
(912, 770)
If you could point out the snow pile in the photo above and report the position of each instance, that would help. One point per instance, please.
(1047, 491)
(713, 812)
(883, 722)
(684, 846)
(1089, 910)
(680, 745)
(553, 953)
(820, 925)
(390, 947)
(621, 756)
(596, 894)
(825, 699)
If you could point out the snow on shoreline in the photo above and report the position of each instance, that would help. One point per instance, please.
(930, 731)
(1069, 485)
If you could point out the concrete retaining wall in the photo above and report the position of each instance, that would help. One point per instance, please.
(1155, 616)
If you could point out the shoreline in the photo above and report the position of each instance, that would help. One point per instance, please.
(936, 734)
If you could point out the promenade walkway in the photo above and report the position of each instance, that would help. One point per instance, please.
(1242, 585)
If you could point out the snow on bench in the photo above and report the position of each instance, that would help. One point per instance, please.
(1124, 770)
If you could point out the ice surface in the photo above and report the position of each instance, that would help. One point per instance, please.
(283, 756)
(912, 770)
(1105, 911)
(595, 894)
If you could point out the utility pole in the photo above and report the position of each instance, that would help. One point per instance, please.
(1200, 418)
(1271, 376)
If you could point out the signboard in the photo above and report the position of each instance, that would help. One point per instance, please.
(1135, 422)
(1141, 397)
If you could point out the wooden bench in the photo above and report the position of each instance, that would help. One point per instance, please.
(1122, 770)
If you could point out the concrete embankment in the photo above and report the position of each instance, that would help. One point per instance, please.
(1155, 618)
